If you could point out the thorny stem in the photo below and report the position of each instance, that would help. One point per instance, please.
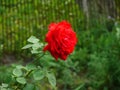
(36, 60)
(27, 74)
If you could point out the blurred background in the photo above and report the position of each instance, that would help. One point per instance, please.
(95, 63)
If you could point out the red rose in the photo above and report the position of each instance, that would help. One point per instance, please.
(61, 40)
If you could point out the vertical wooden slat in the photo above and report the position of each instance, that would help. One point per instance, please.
(1, 31)
(11, 31)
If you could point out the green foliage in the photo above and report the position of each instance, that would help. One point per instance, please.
(17, 72)
(99, 59)
(38, 75)
(34, 45)
(24, 77)
(4, 87)
(28, 76)
(51, 79)
(21, 80)
(94, 65)
(5, 74)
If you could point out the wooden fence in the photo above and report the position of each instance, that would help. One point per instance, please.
(19, 19)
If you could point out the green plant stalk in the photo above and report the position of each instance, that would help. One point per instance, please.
(27, 74)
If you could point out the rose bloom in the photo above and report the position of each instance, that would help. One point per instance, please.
(61, 40)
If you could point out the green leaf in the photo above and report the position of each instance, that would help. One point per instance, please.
(2, 88)
(21, 80)
(30, 67)
(79, 87)
(21, 67)
(51, 79)
(36, 46)
(33, 39)
(34, 51)
(17, 72)
(4, 85)
(38, 75)
(29, 87)
(27, 46)
(118, 32)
